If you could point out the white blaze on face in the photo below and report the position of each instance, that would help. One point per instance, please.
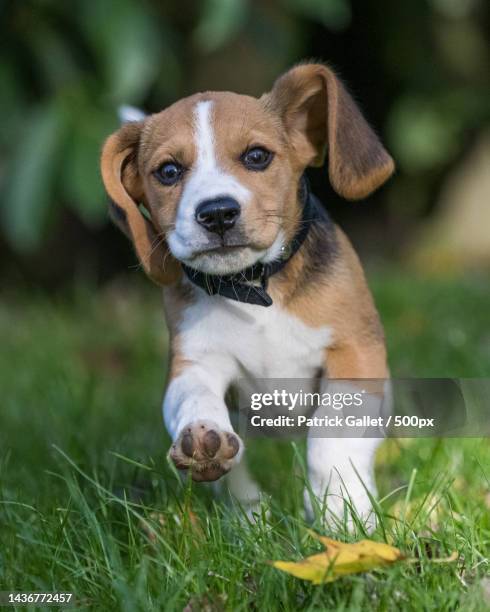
(206, 181)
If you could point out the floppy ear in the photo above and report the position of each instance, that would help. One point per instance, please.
(321, 117)
(124, 187)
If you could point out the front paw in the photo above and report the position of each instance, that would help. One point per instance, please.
(206, 450)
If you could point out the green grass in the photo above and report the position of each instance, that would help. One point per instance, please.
(88, 503)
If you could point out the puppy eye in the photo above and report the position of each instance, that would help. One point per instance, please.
(169, 173)
(256, 158)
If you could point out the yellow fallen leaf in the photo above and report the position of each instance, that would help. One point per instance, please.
(363, 547)
(340, 559)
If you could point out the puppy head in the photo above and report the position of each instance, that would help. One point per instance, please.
(218, 172)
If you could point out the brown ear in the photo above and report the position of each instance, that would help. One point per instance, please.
(321, 117)
(123, 185)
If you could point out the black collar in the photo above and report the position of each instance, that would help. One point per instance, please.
(250, 285)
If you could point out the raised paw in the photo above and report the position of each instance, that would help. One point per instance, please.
(206, 450)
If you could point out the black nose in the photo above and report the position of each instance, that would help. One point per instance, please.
(218, 215)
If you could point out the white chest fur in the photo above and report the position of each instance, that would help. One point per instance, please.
(262, 342)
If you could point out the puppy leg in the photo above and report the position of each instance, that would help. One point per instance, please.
(244, 489)
(197, 419)
(341, 469)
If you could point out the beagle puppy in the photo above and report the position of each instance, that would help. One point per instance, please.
(258, 281)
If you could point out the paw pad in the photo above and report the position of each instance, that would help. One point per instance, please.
(205, 450)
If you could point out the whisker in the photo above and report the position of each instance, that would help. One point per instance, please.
(234, 290)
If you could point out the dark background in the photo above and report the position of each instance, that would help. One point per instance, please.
(419, 70)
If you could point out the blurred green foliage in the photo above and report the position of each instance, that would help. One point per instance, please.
(66, 66)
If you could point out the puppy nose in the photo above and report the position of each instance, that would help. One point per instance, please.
(218, 215)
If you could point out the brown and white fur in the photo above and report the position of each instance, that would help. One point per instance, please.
(323, 318)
